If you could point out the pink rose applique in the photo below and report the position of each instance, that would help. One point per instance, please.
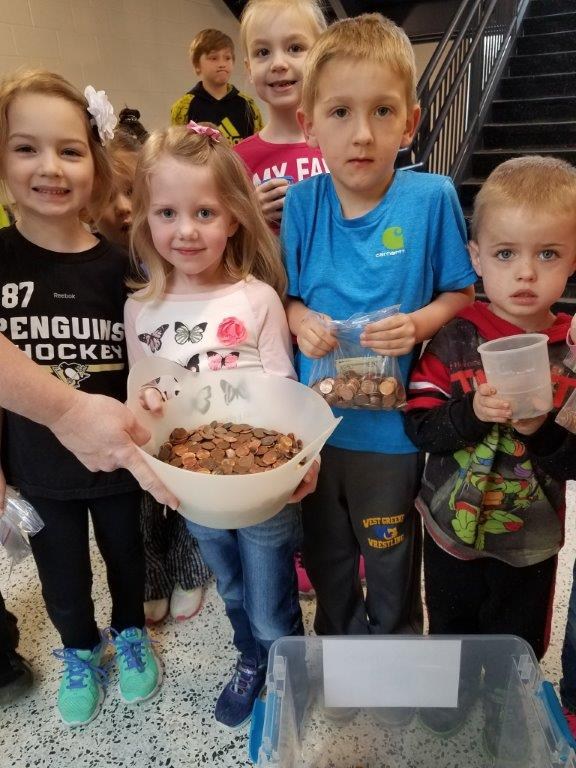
(231, 331)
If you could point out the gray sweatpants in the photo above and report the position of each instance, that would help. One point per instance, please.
(364, 504)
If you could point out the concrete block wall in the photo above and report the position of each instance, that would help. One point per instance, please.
(136, 50)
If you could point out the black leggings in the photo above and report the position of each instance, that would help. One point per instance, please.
(62, 555)
(488, 597)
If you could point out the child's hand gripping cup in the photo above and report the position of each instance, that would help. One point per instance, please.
(241, 397)
(352, 376)
(518, 367)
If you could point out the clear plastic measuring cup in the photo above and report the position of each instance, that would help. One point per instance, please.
(519, 369)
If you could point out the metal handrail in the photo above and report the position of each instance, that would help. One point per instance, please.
(449, 41)
(460, 79)
(477, 120)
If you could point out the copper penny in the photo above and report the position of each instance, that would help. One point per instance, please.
(178, 435)
(326, 386)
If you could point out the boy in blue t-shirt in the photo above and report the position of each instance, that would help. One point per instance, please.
(359, 239)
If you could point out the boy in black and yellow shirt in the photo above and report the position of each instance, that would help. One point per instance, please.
(213, 99)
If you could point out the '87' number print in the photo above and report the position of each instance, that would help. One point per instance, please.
(16, 294)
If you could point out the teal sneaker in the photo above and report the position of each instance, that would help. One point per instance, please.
(83, 684)
(140, 673)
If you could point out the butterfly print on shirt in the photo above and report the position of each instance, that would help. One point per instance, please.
(193, 364)
(154, 339)
(183, 333)
(216, 361)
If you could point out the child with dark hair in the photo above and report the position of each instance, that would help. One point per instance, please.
(115, 220)
(129, 122)
(213, 99)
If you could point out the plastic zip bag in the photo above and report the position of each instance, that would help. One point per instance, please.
(19, 518)
(353, 376)
(566, 416)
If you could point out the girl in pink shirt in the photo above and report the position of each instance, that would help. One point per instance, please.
(211, 300)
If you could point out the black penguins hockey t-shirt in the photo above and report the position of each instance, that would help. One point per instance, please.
(65, 311)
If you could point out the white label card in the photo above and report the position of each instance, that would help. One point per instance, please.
(391, 673)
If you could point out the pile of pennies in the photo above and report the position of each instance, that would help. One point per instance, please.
(226, 448)
(353, 390)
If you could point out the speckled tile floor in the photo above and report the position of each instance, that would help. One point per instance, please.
(175, 728)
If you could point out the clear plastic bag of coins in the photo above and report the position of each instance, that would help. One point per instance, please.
(566, 416)
(354, 376)
(245, 470)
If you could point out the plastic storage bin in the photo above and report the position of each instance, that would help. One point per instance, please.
(330, 702)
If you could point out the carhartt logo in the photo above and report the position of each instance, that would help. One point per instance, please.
(393, 238)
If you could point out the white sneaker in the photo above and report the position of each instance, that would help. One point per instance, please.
(185, 603)
(155, 611)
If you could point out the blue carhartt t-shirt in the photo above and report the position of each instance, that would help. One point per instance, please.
(408, 249)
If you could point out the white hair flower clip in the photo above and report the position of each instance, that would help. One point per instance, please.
(102, 113)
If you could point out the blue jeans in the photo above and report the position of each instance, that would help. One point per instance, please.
(568, 682)
(256, 579)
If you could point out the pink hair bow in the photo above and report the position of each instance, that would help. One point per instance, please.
(204, 130)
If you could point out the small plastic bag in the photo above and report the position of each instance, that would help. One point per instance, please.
(353, 376)
(19, 518)
(566, 416)
(570, 359)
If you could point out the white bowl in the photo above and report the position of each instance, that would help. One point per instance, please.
(241, 396)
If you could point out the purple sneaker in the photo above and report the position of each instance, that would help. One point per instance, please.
(234, 705)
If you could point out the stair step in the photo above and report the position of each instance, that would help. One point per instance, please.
(543, 63)
(544, 7)
(467, 191)
(531, 135)
(538, 85)
(528, 110)
(547, 42)
(485, 160)
(555, 22)
(535, 108)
